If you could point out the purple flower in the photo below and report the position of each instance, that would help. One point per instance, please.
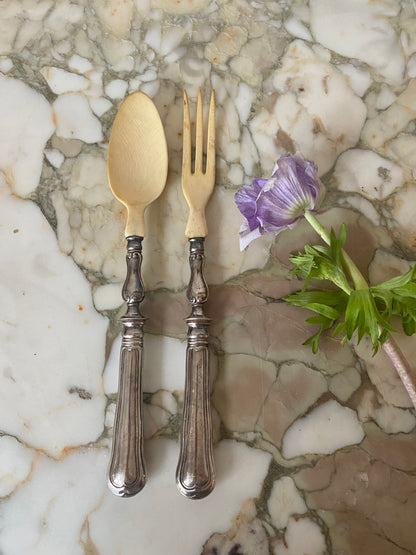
(271, 205)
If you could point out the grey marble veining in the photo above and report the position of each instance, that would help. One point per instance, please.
(315, 453)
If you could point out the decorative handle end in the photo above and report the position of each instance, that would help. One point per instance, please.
(120, 485)
(193, 489)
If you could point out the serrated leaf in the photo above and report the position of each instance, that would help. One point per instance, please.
(398, 281)
(339, 328)
(407, 290)
(303, 263)
(314, 341)
(320, 320)
(325, 310)
(365, 311)
(330, 298)
(336, 243)
(323, 262)
(362, 315)
(409, 325)
(342, 237)
(385, 297)
(328, 306)
(323, 250)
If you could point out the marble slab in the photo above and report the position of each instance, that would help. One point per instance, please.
(315, 454)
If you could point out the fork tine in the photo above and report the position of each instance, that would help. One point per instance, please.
(186, 139)
(210, 169)
(199, 136)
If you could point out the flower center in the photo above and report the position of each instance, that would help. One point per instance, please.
(299, 207)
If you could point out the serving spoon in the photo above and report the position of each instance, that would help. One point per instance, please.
(137, 171)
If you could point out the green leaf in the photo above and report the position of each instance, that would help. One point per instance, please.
(314, 265)
(398, 281)
(324, 310)
(323, 262)
(339, 328)
(409, 325)
(328, 306)
(397, 296)
(384, 299)
(323, 250)
(324, 323)
(330, 298)
(346, 311)
(336, 243)
(319, 320)
(314, 341)
(362, 315)
(303, 263)
(408, 290)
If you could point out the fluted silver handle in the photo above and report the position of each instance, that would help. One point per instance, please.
(195, 473)
(127, 473)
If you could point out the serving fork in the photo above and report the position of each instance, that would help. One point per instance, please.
(195, 473)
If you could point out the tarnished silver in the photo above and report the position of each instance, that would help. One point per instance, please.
(127, 474)
(195, 473)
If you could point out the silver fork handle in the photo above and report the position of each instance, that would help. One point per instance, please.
(127, 473)
(195, 473)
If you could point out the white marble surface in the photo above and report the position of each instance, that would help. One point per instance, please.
(315, 454)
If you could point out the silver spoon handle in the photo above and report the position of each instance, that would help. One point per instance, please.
(127, 474)
(195, 473)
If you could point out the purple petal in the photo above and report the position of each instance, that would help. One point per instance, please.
(272, 205)
(246, 199)
(246, 236)
(258, 185)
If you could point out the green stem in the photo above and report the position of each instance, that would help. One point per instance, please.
(356, 276)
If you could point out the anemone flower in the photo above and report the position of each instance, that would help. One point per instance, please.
(295, 191)
(272, 205)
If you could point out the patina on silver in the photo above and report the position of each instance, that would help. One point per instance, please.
(195, 473)
(127, 474)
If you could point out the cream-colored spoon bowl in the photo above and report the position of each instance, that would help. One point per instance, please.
(137, 158)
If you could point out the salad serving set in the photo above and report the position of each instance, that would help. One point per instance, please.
(137, 171)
